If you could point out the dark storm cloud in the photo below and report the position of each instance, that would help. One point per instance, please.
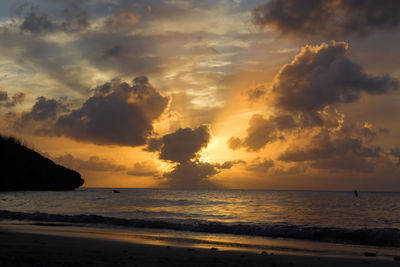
(36, 21)
(196, 174)
(71, 19)
(262, 131)
(191, 174)
(343, 150)
(306, 92)
(7, 101)
(328, 17)
(283, 122)
(182, 145)
(318, 79)
(326, 145)
(154, 145)
(45, 109)
(324, 75)
(259, 133)
(117, 114)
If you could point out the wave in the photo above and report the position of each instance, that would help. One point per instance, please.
(389, 237)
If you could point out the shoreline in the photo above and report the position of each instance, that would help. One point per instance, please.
(18, 248)
(179, 238)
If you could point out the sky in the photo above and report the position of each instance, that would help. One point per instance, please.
(255, 94)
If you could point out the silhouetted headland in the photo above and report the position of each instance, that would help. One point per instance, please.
(22, 168)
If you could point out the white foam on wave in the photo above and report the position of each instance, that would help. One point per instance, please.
(389, 237)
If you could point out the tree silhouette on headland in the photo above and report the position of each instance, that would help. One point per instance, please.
(22, 168)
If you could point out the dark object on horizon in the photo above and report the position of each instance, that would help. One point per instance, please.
(24, 169)
(116, 191)
(396, 258)
(369, 254)
(355, 193)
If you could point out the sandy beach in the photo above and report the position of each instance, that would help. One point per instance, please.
(27, 249)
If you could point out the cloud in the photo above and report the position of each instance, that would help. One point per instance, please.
(36, 21)
(40, 119)
(345, 163)
(122, 19)
(145, 168)
(94, 163)
(327, 17)
(324, 75)
(71, 19)
(296, 170)
(6, 101)
(45, 109)
(256, 93)
(396, 153)
(75, 19)
(259, 133)
(81, 59)
(262, 131)
(234, 143)
(342, 150)
(117, 114)
(261, 166)
(229, 164)
(182, 145)
(318, 79)
(191, 174)
(3, 96)
(305, 94)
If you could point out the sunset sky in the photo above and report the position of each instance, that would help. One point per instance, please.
(252, 94)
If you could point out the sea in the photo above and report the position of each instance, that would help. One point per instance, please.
(296, 222)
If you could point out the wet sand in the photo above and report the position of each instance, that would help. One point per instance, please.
(27, 249)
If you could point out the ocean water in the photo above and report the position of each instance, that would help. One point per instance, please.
(333, 217)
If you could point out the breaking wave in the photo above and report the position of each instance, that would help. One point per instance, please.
(389, 237)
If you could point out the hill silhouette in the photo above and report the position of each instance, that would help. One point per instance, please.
(22, 168)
